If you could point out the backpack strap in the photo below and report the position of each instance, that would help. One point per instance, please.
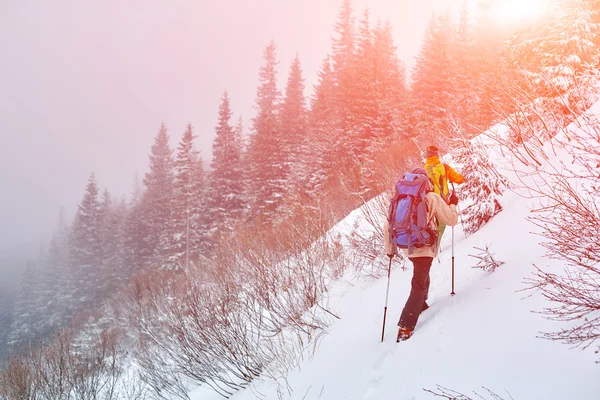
(391, 222)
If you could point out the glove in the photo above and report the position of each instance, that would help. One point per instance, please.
(454, 199)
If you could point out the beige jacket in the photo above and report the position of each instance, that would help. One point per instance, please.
(444, 213)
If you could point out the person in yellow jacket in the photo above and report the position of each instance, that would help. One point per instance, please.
(440, 174)
(422, 258)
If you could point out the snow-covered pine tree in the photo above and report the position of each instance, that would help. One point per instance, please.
(323, 123)
(135, 230)
(390, 78)
(241, 171)
(391, 103)
(157, 198)
(58, 252)
(114, 215)
(342, 53)
(6, 319)
(176, 245)
(491, 69)
(201, 226)
(569, 53)
(59, 281)
(483, 186)
(432, 86)
(342, 59)
(558, 58)
(28, 313)
(265, 155)
(188, 229)
(225, 180)
(362, 113)
(464, 73)
(86, 246)
(294, 127)
(85, 239)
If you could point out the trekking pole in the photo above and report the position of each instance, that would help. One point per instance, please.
(386, 299)
(452, 293)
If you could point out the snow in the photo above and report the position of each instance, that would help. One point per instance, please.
(487, 335)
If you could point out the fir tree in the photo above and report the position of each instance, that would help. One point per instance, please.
(323, 123)
(294, 127)
(157, 199)
(137, 191)
(187, 201)
(29, 310)
(432, 83)
(85, 243)
(201, 227)
(21, 329)
(58, 252)
(554, 67)
(6, 319)
(86, 247)
(134, 230)
(267, 164)
(363, 111)
(391, 99)
(568, 52)
(464, 75)
(59, 278)
(483, 187)
(343, 48)
(114, 215)
(390, 75)
(492, 72)
(226, 194)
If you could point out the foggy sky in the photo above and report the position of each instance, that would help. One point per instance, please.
(84, 85)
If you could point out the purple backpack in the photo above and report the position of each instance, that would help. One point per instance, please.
(407, 217)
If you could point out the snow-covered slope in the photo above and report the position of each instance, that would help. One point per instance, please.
(484, 336)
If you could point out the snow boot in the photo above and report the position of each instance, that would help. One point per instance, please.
(403, 334)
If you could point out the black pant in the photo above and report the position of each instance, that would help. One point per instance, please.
(418, 292)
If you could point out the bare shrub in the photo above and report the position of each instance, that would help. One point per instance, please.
(251, 311)
(18, 378)
(450, 394)
(57, 371)
(487, 260)
(55, 367)
(568, 211)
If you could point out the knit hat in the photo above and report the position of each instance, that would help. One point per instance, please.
(431, 151)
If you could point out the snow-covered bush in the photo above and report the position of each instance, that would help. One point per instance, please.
(249, 313)
(561, 174)
(486, 262)
(482, 188)
(58, 371)
(450, 394)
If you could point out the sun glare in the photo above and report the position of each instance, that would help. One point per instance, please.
(511, 11)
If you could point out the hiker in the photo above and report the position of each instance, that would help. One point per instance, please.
(420, 251)
(440, 174)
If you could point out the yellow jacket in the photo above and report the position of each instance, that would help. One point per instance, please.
(440, 174)
(451, 174)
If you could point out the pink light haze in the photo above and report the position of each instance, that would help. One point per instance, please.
(85, 85)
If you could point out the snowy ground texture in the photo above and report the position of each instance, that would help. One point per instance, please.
(484, 336)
